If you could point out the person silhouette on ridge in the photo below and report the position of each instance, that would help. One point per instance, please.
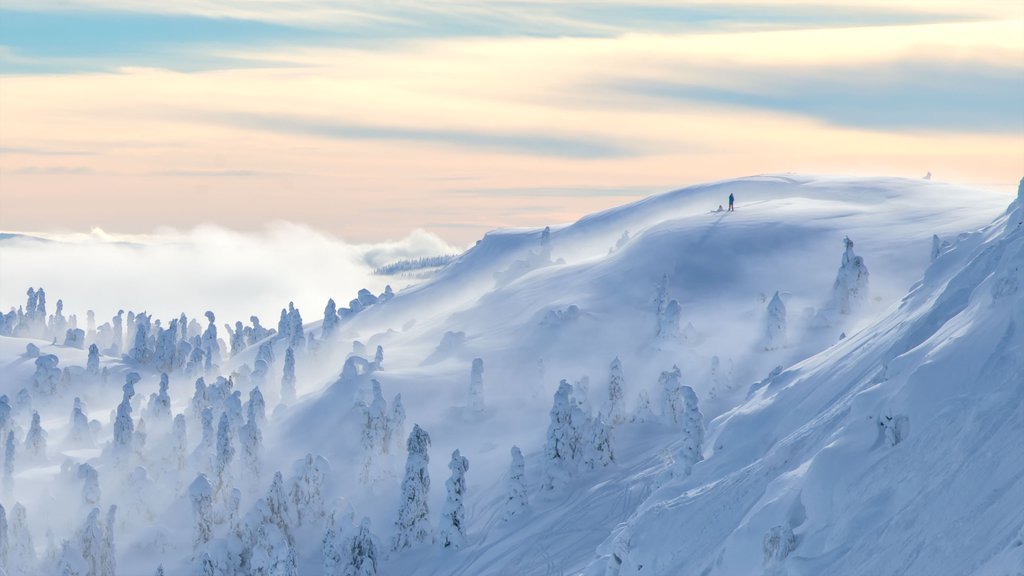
(732, 200)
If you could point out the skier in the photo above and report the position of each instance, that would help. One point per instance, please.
(732, 199)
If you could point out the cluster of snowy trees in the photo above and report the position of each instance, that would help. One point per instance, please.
(578, 440)
(413, 264)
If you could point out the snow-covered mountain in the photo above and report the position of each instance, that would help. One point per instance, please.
(822, 420)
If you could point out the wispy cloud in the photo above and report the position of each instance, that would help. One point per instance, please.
(51, 170)
(41, 151)
(536, 144)
(968, 96)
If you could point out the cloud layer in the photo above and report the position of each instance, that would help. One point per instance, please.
(236, 274)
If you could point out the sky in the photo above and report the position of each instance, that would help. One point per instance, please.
(366, 120)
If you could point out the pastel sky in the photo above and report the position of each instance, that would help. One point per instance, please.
(368, 119)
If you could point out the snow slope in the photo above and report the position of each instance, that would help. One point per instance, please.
(800, 449)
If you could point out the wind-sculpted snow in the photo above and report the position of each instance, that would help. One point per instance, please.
(895, 452)
(711, 393)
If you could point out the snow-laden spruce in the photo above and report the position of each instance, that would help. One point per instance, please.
(475, 406)
(516, 496)
(288, 378)
(850, 290)
(452, 532)
(563, 449)
(775, 324)
(615, 407)
(413, 524)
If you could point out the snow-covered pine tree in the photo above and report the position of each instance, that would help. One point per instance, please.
(288, 379)
(850, 289)
(179, 443)
(46, 378)
(124, 427)
(200, 493)
(92, 363)
(413, 524)
(237, 338)
(90, 543)
(378, 358)
(516, 493)
(691, 450)
(4, 540)
(335, 545)
(615, 408)
(223, 479)
(364, 552)
(453, 516)
(306, 498)
(475, 405)
(90, 485)
(375, 436)
(211, 348)
(563, 449)
(108, 550)
(279, 507)
(35, 440)
(21, 558)
(9, 455)
(598, 451)
(643, 411)
(330, 323)
(251, 440)
(671, 398)
(256, 407)
(396, 422)
(775, 329)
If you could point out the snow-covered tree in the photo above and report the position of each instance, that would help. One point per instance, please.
(211, 348)
(223, 479)
(35, 440)
(671, 396)
(237, 338)
(108, 551)
(279, 506)
(46, 379)
(375, 436)
(4, 540)
(288, 378)
(80, 433)
(251, 440)
(775, 329)
(615, 408)
(691, 450)
(165, 356)
(92, 363)
(396, 422)
(476, 387)
(563, 449)
(306, 496)
(936, 247)
(335, 545)
(453, 516)
(90, 542)
(204, 453)
(124, 427)
(90, 485)
(330, 323)
(643, 411)
(179, 443)
(21, 557)
(413, 524)
(200, 493)
(378, 358)
(516, 494)
(256, 407)
(850, 289)
(598, 451)
(9, 454)
(669, 321)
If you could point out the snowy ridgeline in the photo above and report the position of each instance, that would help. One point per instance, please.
(277, 452)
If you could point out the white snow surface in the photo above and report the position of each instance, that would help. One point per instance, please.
(812, 454)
